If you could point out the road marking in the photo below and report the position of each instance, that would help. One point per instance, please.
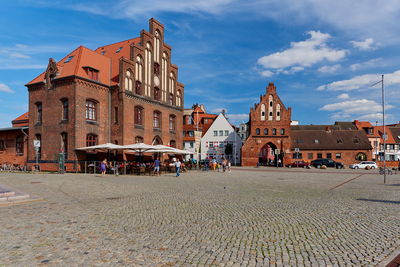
(345, 182)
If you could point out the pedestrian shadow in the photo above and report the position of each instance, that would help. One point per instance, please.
(393, 184)
(379, 200)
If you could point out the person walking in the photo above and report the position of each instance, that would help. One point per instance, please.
(103, 167)
(177, 167)
(223, 164)
(229, 166)
(156, 170)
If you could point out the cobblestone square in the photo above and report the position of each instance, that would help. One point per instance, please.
(249, 217)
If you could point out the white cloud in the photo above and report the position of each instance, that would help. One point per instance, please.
(329, 69)
(302, 54)
(361, 109)
(362, 19)
(366, 64)
(343, 96)
(267, 73)
(5, 88)
(219, 110)
(21, 67)
(367, 44)
(362, 82)
(19, 55)
(238, 118)
(355, 106)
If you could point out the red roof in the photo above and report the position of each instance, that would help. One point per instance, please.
(115, 52)
(390, 139)
(105, 59)
(21, 121)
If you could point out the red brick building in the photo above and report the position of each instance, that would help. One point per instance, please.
(123, 93)
(273, 139)
(14, 142)
(269, 131)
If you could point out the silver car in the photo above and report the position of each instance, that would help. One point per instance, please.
(364, 165)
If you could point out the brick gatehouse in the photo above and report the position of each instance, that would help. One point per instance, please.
(269, 131)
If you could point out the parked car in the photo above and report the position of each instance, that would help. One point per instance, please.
(318, 163)
(364, 165)
(298, 164)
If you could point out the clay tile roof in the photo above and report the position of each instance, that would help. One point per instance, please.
(395, 131)
(80, 58)
(364, 124)
(334, 139)
(115, 52)
(390, 138)
(22, 120)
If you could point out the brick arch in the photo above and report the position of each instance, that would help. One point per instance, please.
(157, 140)
(267, 154)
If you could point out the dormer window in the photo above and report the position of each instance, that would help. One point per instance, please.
(103, 52)
(316, 141)
(69, 59)
(339, 141)
(92, 73)
(119, 50)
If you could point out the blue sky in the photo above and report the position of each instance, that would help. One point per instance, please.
(322, 55)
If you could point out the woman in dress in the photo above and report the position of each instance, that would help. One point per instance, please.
(103, 167)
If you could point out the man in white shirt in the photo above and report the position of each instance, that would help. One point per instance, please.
(177, 167)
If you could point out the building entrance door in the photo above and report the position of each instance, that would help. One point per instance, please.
(267, 155)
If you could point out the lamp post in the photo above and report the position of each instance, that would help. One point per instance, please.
(384, 128)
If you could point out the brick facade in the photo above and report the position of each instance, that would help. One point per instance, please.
(110, 78)
(264, 144)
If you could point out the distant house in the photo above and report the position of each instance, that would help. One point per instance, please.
(220, 135)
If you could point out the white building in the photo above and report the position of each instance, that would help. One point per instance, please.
(216, 139)
(243, 131)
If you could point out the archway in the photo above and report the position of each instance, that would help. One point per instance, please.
(361, 156)
(157, 141)
(267, 155)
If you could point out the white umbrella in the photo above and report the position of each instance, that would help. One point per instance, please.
(139, 147)
(107, 146)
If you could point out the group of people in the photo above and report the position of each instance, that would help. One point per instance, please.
(213, 164)
(176, 163)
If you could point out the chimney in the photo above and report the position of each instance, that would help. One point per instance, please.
(328, 129)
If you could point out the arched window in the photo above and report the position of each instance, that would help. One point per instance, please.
(157, 120)
(270, 107)
(258, 131)
(64, 144)
(273, 131)
(157, 141)
(156, 93)
(139, 115)
(91, 110)
(171, 83)
(39, 151)
(172, 143)
(171, 99)
(164, 76)
(19, 145)
(157, 46)
(138, 75)
(138, 139)
(172, 122)
(282, 131)
(262, 112)
(91, 140)
(128, 81)
(361, 156)
(147, 69)
(39, 112)
(265, 131)
(178, 98)
(278, 112)
(64, 109)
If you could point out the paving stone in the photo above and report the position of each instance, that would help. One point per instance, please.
(261, 218)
